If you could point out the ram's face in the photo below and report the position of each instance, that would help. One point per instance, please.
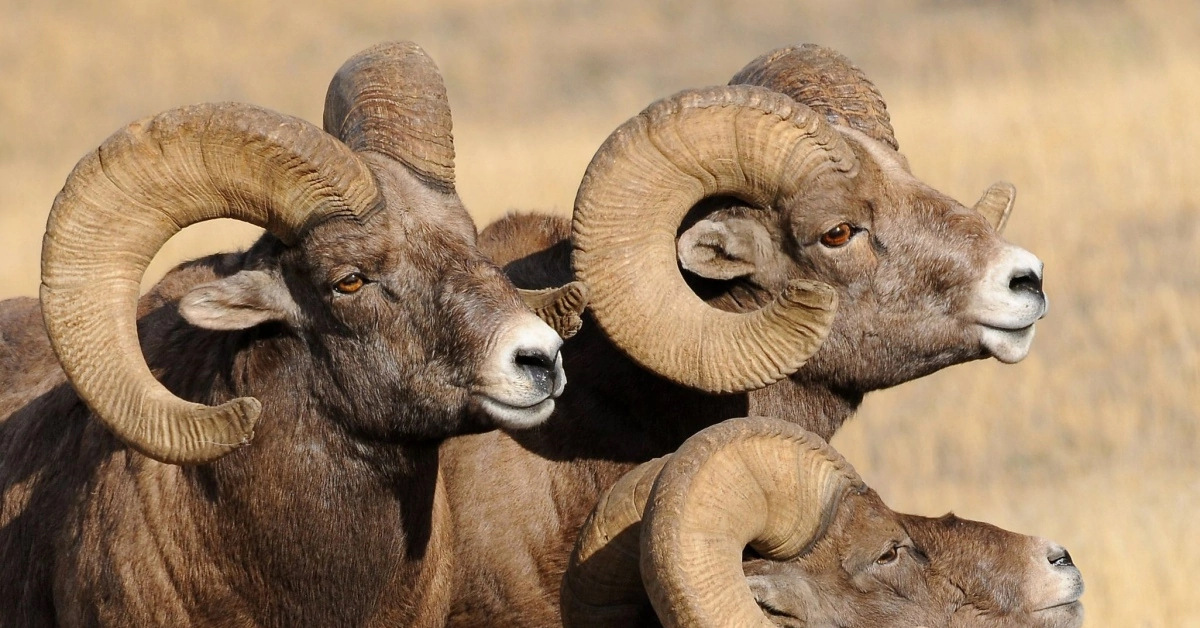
(412, 332)
(923, 282)
(421, 326)
(875, 567)
(994, 577)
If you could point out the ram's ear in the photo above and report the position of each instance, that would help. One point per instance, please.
(723, 248)
(791, 595)
(239, 301)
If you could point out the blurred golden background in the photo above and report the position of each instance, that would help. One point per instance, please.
(1090, 108)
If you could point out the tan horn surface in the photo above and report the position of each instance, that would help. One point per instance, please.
(561, 308)
(603, 586)
(742, 141)
(826, 81)
(119, 206)
(390, 99)
(996, 204)
(755, 482)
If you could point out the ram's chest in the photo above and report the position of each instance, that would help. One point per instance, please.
(515, 530)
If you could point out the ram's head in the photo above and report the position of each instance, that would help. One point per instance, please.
(756, 223)
(369, 260)
(756, 522)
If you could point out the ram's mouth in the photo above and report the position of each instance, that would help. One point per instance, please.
(523, 396)
(1006, 330)
(1064, 615)
(510, 416)
(1068, 605)
(1009, 345)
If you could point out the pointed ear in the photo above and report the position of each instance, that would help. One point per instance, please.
(722, 248)
(239, 301)
(786, 592)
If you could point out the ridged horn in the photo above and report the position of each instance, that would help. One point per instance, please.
(755, 482)
(996, 204)
(561, 308)
(602, 586)
(827, 81)
(747, 142)
(766, 483)
(391, 99)
(119, 206)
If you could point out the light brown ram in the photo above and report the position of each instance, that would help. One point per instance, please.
(283, 471)
(826, 550)
(749, 250)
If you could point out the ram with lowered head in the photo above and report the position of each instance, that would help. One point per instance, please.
(748, 249)
(824, 550)
(272, 459)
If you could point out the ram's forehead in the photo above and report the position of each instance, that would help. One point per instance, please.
(413, 211)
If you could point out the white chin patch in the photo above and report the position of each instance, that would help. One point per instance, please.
(1007, 345)
(517, 418)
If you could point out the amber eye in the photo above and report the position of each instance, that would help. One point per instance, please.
(350, 283)
(888, 557)
(838, 236)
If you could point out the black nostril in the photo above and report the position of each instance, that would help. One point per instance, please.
(1026, 281)
(1061, 559)
(538, 366)
(535, 359)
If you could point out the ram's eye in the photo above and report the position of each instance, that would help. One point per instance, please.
(839, 235)
(350, 283)
(889, 556)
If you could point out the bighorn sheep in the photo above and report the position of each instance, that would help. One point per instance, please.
(361, 328)
(828, 551)
(816, 268)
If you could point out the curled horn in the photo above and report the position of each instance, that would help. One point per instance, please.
(755, 482)
(602, 586)
(119, 206)
(826, 81)
(561, 308)
(747, 142)
(391, 99)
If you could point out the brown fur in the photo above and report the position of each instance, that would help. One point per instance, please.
(333, 514)
(518, 499)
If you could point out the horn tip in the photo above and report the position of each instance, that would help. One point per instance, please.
(240, 417)
(813, 294)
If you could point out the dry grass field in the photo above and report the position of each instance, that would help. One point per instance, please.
(1090, 108)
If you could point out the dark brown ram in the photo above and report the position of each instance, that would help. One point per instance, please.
(827, 551)
(749, 250)
(283, 471)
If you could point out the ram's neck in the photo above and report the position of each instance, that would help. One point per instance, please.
(812, 405)
(322, 499)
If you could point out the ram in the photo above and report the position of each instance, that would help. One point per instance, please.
(825, 550)
(283, 471)
(748, 250)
